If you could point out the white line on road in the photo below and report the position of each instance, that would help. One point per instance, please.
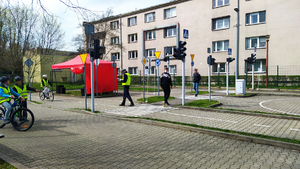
(261, 104)
(295, 129)
(260, 125)
(198, 117)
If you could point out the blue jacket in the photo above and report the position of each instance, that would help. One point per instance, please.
(11, 91)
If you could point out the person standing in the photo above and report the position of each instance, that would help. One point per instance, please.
(126, 80)
(197, 78)
(166, 84)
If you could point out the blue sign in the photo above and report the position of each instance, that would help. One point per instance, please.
(185, 33)
(208, 50)
(157, 62)
(229, 51)
(192, 63)
(28, 62)
(254, 49)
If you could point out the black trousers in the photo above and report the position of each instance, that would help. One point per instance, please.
(126, 95)
(167, 91)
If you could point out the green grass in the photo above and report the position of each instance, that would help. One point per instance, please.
(35, 102)
(68, 86)
(6, 165)
(154, 99)
(86, 110)
(140, 89)
(224, 130)
(201, 103)
(247, 94)
(73, 93)
(199, 93)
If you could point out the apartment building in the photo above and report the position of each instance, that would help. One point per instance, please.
(211, 23)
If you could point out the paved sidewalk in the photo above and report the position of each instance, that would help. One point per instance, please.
(64, 139)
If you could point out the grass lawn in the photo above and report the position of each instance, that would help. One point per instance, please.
(200, 92)
(201, 103)
(154, 99)
(140, 89)
(6, 165)
(68, 86)
(78, 93)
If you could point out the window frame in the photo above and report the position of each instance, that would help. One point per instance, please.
(147, 52)
(173, 35)
(261, 61)
(175, 69)
(165, 10)
(111, 25)
(136, 38)
(118, 55)
(153, 16)
(258, 42)
(171, 54)
(130, 52)
(129, 23)
(258, 18)
(219, 66)
(152, 33)
(133, 68)
(215, 46)
(113, 39)
(215, 2)
(214, 23)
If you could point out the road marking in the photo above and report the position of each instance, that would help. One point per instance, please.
(261, 105)
(198, 117)
(295, 129)
(260, 125)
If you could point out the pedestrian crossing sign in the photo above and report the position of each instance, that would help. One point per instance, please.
(157, 54)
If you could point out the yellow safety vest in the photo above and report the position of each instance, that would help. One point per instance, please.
(6, 91)
(127, 83)
(46, 82)
(23, 92)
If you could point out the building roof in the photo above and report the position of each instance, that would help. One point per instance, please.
(139, 11)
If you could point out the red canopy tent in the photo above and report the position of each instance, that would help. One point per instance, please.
(105, 73)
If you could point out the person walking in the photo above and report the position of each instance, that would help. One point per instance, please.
(166, 84)
(197, 78)
(126, 80)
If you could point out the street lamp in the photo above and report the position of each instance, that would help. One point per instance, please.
(267, 60)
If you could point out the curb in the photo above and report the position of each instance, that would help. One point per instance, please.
(218, 134)
(12, 161)
(242, 113)
(243, 96)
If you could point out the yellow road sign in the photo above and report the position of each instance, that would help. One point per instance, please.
(157, 54)
(192, 56)
(83, 57)
(144, 61)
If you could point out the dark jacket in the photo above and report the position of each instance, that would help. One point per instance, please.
(197, 77)
(165, 79)
(22, 86)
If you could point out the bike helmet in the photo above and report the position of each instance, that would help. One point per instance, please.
(18, 78)
(44, 76)
(4, 79)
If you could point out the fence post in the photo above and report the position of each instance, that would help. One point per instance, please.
(277, 76)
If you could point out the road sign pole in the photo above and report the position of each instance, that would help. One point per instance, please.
(191, 78)
(115, 83)
(29, 83)
(227, 78)
(209, 83)
(143, 82)
(96, 80)
(183, 82)
(253, 76)
(157, 80)
(85, 97)
(92, 77)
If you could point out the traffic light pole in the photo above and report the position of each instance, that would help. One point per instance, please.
(252, 76)
(209, 89)
(158, 81)
(92, 80)
(227, 78)
(191, 78)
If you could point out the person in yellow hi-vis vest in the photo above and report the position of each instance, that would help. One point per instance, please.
(22, 89)
(126, 80)
(44, 84)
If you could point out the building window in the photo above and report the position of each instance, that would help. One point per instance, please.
(115, 40)
(254, 18)
(259, 42)
(221, 23)
(172, 69)
(117, 55)
(169, 13)
(133, 70)
(114, 25)
(169, 51)
(118, 71)
(218, 3)
(259, 66)
(150, 17)
(153, 70)
(132, 38)
(220, 46)
(170, 32)
(132, 54)
(150, 35)
(219, 67)
(132, 21)
(150, 52)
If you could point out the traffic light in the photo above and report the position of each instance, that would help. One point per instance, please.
(253, 58)
(210, 60)
(166, 59)
(97, 49)
(230, 59)
(249, 60)
(179, 53)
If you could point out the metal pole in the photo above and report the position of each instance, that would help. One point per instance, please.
(85, 95)
(115, 78)
(227, 78)
(29, 83)
(219, 75)
(92, 77)
(267, 64)
(149, 72)
(237, 40)
(191, 78)
(157, 80)
(96, 80)
(252, 76)
(277, 76)
(143, 52)
(121, 44)
(209, 83)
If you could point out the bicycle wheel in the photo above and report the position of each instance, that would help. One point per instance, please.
(2, 113)
(42, 96)
(22, 119)
(51, 96)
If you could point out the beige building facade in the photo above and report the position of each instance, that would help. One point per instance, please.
(211, 24)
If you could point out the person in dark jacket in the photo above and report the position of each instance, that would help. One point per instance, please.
(166, 84)
(22, 89)
(126, 81)
(197, 78)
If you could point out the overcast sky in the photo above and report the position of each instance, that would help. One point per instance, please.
(70, 21)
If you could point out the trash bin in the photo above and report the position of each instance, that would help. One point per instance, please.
(62, 90)
(58, 89)
(82, 91)
(240, 86)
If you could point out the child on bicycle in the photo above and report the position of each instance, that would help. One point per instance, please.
(44, 84)
(6, 94)
(22, 89)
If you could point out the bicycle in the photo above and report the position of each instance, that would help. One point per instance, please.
(42, 95)
(22, 119)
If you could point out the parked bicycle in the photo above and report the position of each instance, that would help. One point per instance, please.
(22, 119)
(46, 93)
